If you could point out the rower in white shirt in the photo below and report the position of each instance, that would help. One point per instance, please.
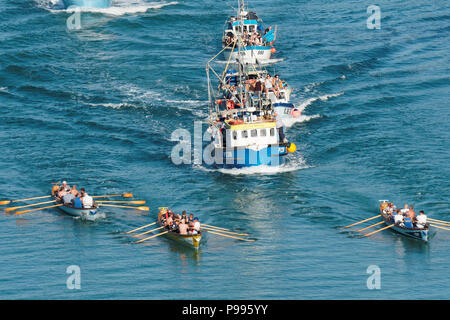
(398, 218)
(421, 220)
(87, 201)
(405, 209)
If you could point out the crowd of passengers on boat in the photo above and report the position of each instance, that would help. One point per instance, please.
(405, 217)
(253, 34)
(182, 224)
(70, 196)
(257, 86)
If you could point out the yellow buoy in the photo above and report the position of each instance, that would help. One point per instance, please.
(292, 147)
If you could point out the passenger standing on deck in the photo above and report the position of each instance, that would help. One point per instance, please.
(280, 128)
(268, 85)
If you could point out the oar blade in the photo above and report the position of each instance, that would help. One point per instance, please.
(140, 228)
(11, 209)
(143, 208)
(127, 195)
(156, 235)
(4, 202)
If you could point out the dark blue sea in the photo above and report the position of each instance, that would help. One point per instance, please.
(97, 107)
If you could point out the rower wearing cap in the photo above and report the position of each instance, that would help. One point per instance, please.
(65, 186)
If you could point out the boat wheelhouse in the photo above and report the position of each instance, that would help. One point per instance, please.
(256, 41)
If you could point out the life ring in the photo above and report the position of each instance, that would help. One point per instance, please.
(234, 122)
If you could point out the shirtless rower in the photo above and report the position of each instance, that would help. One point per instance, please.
(183, 227)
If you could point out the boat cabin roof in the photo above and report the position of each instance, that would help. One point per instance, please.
(246, 22)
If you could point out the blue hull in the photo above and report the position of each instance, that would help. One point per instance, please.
(245, 158)
(89, 3)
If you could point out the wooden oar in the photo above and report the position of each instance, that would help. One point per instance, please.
(439, 227)
(215, 227)
(354, 224)
(125, 195)
(147, 232)
(376, 224)
(126, 207)
(137, 229)
(156, 235)
(224, 235)
(25, 211)
(130, 202)
(29, 205)
(9, 201)
(229, 232)
(371, 233)
(441, 221)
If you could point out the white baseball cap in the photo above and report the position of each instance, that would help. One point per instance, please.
(64, 182)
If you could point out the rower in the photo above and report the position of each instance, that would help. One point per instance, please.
(183, 227)
(412, 213)
(55, 190)
(77, 204)
(398, 218)
(74, 190)
(65, 186)
(175, 226)
(184, 216)
(197, 225)
(87, 200)
(169, 220)
(67, 198)
(405, 209)
(421, 220)
(61, 193)
(408, 222)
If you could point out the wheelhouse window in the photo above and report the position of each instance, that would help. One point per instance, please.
(263, 132)
(272, 132)
(254, 133)
(244, 134)
(234, 135)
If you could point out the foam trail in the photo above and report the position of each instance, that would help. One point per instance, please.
(292, 164)
(289, 121)
(117, 9)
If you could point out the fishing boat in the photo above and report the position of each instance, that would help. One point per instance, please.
(191, 240)
(240, 28)
(242, 119)
(100, 4)
(409, 231)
